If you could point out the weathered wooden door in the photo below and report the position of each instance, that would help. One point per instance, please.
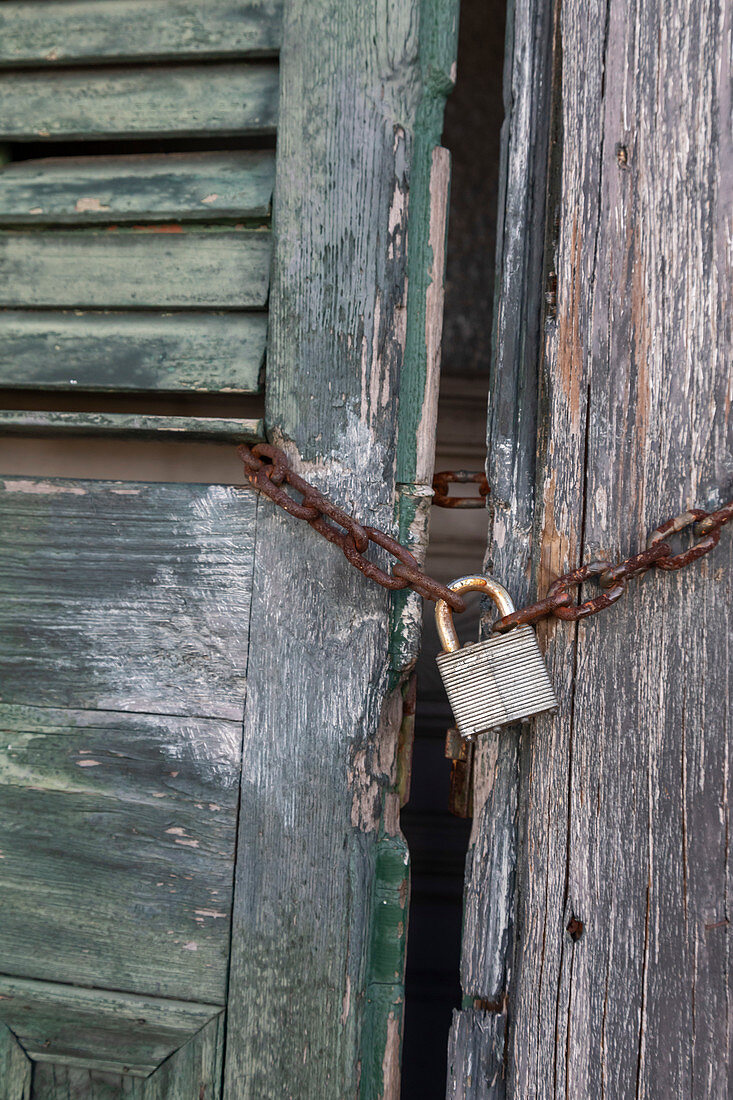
(596, 954)
(192, 905)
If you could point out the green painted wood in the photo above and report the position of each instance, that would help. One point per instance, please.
(89, 31)
(194, 269)
(174, 187)
(181, 100)
(15, 1068)
(193, 428)
(118, 836)
(107, 1031)
(119, 825)
(133, 351)
(193, 1071)
(319, 790)
(139, 562)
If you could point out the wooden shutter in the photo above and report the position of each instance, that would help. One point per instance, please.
(133, 264)
(197, 907)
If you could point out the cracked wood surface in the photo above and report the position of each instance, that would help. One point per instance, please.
(476, 1062)
(315, 1004)
(623, 798)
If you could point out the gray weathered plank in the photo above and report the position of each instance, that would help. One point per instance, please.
(90, 30)
(106, 1031)
(168, 187)
(181, 100)
(15, 1068)
(211, 428)
(117, 829)
(139, 562)
(512, 444)
(624, 797)
(320, 754)
(194, 269)
(132, 351)
(193, 1071)
(476, 1055)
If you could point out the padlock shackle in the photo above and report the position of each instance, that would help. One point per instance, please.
(473, 583)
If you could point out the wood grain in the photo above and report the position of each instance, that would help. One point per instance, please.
(624, 797)
(512, 440)
(193, 428)
(476, 1054)
(111, 1032)
(133, 351)
(320, 745)
(118, 836)
(168, 187)
(165, 567)
(15, 1068)
(193, 269)
(194, 1070)
(94, 31)
(182, 100)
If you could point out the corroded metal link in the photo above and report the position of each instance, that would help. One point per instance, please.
(612, 578)
(576, 578)
(635, 566)
(715, 520)
(445, 478)
(533, 612)
(268, 469)
(679, 523)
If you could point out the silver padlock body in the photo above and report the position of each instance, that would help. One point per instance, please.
(496, 682)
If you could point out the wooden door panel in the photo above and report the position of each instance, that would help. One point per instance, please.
(117, 596)
(124, 612)
(91, 1028)
(15, 1067)
(192, 1071)
(118, 836)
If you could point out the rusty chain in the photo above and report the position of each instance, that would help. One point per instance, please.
(268, 470)
(612, 578)
(445, 478)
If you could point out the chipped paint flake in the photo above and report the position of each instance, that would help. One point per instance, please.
(89, 205)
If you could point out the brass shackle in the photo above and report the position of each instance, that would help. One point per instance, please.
(473, 583)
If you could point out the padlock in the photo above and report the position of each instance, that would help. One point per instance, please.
(495, 682)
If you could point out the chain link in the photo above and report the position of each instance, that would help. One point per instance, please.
(268, 470)
(443, 480)
(612, 578)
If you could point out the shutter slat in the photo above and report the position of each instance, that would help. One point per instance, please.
(177, 100)
(205, 428)
(132, 352)
(96, 30)
(128, 268)
(174, 187)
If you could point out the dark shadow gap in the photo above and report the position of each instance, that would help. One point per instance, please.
(438, 840)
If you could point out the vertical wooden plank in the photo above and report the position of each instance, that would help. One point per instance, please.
(512, 433)
(319, 826)
(15, 1068)
(624, 797)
